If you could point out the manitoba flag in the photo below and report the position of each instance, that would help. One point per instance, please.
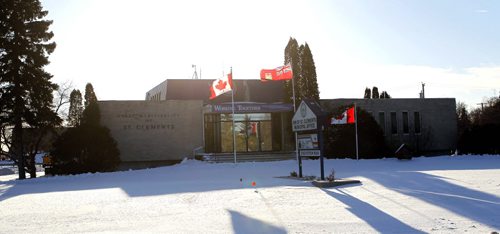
(347, 117)
(221, 86)
(279, 73)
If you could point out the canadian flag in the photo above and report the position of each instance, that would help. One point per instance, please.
(279, 73)
(347, 117)
(221, 86)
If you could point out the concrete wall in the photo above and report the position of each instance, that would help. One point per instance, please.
(437, 117)
(154, 131)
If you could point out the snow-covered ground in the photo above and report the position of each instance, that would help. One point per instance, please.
(441, 194)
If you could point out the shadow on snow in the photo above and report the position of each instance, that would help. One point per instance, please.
(158, 181)
(379, 220)
(244, 224)
(476, 205)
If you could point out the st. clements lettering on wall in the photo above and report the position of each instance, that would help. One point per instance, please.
(147, 122)
(149, 127)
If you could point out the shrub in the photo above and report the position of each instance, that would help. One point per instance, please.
(340, 140)
(331, 176)
(88, 147)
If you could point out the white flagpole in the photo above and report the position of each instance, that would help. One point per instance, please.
(356, 127)
(232, 103)
(295, 110)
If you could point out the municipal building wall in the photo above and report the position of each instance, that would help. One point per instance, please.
(153, 133)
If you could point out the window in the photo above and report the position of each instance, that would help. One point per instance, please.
(416, 121)
(394, 123)
(405, 123)
(253, 132)
(381, 121)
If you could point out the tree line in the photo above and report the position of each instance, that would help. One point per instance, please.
(373, 93)
(478, 129)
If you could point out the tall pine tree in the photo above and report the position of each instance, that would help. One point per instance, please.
(384, 94)
(89, 147)
(26, 89)
(292, 57)
(304, 72)
(75, 108)
(308, 76)
(375, 94)
(368, 93)
(89, 94)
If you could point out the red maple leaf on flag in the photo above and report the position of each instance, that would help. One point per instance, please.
(221, 85)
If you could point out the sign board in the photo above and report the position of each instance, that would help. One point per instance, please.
(309, 118)
(248, 108)
(304, 119)
(308, 141)
(309, 153)
(308, 145)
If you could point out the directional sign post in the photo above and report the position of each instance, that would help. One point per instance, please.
(308, 122)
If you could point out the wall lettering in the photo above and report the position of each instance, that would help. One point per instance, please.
(148, 122)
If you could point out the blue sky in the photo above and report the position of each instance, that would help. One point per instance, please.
(126, 47)
(432, 33)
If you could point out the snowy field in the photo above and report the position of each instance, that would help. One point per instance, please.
(441, 194)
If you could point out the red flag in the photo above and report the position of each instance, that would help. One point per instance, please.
(347, 117)
(279, 73)
(350, 115)
(221, 86)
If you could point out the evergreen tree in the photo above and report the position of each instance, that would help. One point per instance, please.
(304, 72)
(89, 147)
(26, 89)
(463, 121)
(375, 94)
(463, 118)
(75, 108)
(292, 57)
(384, 94)
(89, 94)
(309, 79)
(92, 115)
(368, 93)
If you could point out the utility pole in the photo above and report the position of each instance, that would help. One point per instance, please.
(195, 74)
(482, 105)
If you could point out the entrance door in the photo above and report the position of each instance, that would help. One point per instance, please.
(253, 132)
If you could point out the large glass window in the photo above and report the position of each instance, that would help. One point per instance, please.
(266, 134)
(227, 136)
(253, 132)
